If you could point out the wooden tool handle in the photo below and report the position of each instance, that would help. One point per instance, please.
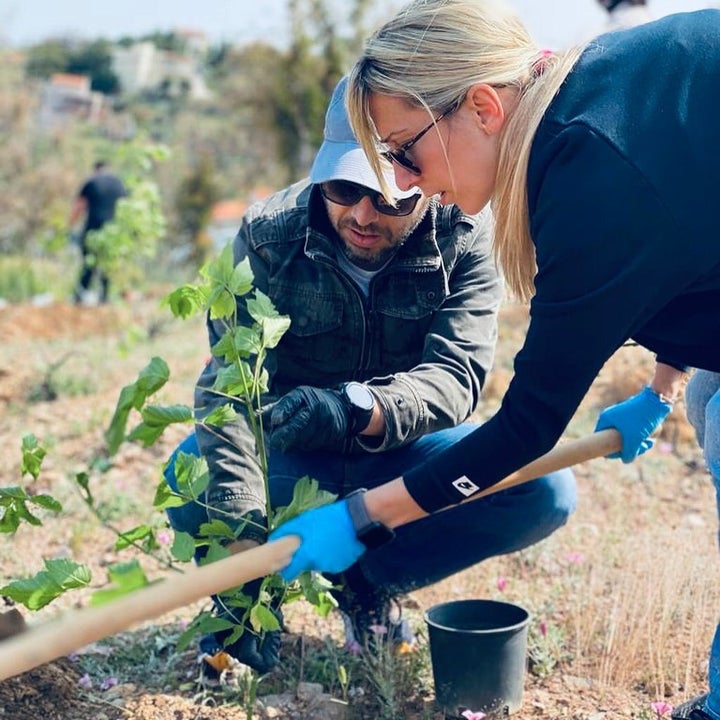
(80, 627)
(572, 452)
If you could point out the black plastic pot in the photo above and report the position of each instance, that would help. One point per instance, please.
(478, 650)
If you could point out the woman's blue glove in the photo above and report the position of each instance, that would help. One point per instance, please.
(329, 543)
(635, 419)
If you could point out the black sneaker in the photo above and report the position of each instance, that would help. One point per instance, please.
(373, 630)
(691, 710)
(372, 616)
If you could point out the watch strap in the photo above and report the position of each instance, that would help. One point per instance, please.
(369, 532)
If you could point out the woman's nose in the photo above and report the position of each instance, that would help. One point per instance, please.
(404, 179)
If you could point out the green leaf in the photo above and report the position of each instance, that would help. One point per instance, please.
(272, 324)
(306, 496)
(216, 529)
(150, 380)
(273, 329)
(14, 502)
(32, 456)
(135, 536)
(126, 578)
(166, 497)
(48, 502)
(315, 589)
(183, 547)
(58, 577)
(262, 618)
(241, 280)
(235, 380)
(191, 475)
(83, 480)
(221, 416)
(215, 552)
(186, 301)
(156, 418)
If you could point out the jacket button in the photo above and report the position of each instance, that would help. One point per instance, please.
(431, 295)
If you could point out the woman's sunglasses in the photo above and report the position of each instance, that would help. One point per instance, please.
(348, 193)
(400, 157)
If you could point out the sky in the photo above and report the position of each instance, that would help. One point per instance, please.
(553, 23)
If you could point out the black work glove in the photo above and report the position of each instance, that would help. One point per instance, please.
(308, 418)
(261, 653)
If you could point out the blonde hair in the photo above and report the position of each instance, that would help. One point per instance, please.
(429, 54)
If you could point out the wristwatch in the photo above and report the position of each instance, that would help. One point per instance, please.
(370, 533)
(361, 403)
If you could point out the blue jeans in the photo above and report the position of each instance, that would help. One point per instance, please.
(427, 550)
(702, 398)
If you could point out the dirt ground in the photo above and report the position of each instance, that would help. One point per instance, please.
(39, 344)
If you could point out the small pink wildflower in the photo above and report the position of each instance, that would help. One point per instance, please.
(85, 682)
(470, 715)
(543, 628)
(379, 630)
(665, 448)
(661, 708)
(501, 583)
(163, 537)
(108, 682)
(353, 647)
(575, 558)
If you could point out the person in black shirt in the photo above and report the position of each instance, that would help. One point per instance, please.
(96, 201)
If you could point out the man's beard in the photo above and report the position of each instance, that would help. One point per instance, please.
(375, 260)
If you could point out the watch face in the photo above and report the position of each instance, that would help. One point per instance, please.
(359, 395)
(375, 535)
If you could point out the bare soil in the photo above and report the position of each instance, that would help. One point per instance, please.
(61, 368)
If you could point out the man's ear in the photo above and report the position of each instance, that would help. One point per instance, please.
(485, 102)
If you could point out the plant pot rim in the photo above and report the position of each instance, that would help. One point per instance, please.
(479, 631)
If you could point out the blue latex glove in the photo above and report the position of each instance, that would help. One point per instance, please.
(329, 543)
(635, 419)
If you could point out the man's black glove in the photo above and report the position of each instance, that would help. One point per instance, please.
(261, 653)
(308, 418)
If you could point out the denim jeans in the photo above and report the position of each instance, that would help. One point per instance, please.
(702, 398)
(430, 549)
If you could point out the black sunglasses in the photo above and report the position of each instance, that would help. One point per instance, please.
(344, 192)
(399, 156)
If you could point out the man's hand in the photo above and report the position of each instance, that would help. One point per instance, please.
(308, 418)
(260, 652)
(635, 419)
(329, 543)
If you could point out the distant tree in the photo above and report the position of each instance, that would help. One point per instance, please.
(95, 59)
(47, 58)
(197, 194)
(171, 41)
(319, 55)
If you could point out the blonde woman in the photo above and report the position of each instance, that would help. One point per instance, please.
(602, 164)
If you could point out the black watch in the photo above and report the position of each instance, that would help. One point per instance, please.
(370, 533)
(361, 403)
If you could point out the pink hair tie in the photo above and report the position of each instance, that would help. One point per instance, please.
(538, 67)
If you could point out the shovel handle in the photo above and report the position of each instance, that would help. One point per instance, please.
(572, 452)
(77, 628)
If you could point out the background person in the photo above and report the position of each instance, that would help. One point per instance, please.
(601, 165)
(625, 13)
(96, 202)
(393, 313)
